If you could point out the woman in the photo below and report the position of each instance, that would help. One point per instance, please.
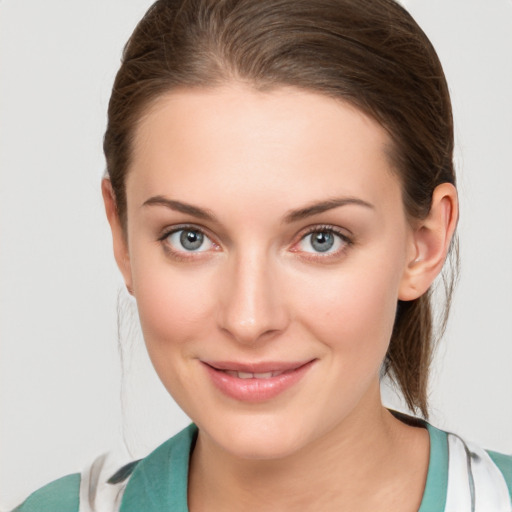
(282, 196)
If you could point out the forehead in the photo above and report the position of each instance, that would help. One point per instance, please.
(242, 141)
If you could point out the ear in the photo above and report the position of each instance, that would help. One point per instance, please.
(430, 241)
(119, 236)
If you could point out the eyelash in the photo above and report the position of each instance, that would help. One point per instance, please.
(187, 256)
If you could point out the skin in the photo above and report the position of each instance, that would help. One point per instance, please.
(258, 290)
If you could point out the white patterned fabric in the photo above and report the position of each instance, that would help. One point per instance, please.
(96, 493)
(475, 484)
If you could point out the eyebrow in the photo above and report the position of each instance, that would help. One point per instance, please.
(292, 216)
(178, 206)
(323, 206)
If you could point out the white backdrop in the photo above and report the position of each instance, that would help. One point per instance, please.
(60, 378)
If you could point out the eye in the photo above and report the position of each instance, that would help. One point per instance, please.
(323, 241)
(188, 240)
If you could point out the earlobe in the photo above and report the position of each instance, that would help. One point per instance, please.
(430, 241)
(120, 243)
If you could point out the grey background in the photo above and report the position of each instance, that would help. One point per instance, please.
(60, 377)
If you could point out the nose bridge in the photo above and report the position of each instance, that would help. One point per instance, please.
(251, 305)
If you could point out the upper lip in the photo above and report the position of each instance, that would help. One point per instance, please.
(259, 367)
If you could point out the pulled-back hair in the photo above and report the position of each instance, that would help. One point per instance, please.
(369, 53)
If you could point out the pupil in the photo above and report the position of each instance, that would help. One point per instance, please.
(191, 240)
(322, 241)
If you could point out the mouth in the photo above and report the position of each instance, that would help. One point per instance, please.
(255, 382)
(249, 375)
(264, 370)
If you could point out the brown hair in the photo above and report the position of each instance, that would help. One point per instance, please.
(369, 53)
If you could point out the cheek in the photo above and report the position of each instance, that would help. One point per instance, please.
(353, 312)
(175, 312)
(174, 305)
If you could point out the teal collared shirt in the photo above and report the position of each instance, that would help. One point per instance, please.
(159, 481)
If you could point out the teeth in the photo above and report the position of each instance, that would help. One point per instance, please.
(266, 375)
(249, 375)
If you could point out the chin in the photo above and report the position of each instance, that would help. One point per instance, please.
(258, 437)
(262, 447)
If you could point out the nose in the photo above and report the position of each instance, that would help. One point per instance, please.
(252, 304)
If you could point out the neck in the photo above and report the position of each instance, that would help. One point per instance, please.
(334, 470)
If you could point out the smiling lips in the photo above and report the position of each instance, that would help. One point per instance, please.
(255, 382)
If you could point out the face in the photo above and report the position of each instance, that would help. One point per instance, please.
(267, 248)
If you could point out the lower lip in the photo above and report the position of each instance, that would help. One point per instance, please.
(256, 390)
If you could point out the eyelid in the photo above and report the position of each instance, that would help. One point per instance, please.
(344, 234)
(169, 230)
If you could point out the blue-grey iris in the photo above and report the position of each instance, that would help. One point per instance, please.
(191, 240)
(322, 241)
